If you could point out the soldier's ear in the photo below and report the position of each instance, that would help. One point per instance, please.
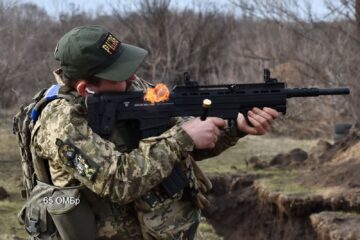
(81, 87)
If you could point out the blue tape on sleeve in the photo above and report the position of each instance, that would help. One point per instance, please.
(52, 93)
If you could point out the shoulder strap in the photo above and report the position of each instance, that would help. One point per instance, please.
(51, 94)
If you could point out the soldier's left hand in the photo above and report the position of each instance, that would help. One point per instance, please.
(260, 119)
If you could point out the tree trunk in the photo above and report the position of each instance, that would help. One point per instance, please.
(357, 16)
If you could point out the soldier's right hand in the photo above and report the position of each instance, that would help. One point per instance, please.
(204, 133)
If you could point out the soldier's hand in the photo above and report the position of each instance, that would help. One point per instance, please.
(204, 133)
(260, 120)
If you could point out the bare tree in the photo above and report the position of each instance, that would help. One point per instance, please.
(322, 52)
(179, 41)
(213, 45)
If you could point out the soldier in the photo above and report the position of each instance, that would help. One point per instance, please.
(118, 179)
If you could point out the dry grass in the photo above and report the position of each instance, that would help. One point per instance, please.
(8, 144)
(285, 183)
(10, 178)
(263, 147)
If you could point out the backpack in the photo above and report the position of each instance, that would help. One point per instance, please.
(70, 219)
(23, 124)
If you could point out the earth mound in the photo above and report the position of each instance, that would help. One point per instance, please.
(309, 195)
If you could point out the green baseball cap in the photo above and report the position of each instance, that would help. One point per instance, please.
(93, 51)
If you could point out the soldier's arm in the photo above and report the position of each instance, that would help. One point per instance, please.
(97, 164)
(227, 138)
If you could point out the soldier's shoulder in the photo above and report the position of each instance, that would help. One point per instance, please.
(59, 118)
(60, 111)
(56, 108)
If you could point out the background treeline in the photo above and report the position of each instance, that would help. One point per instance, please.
(214, 45)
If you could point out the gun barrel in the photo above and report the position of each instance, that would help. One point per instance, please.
(313, 92)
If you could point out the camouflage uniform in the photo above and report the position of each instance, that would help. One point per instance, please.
(120, 176)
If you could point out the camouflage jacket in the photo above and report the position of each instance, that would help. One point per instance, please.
(114, 176)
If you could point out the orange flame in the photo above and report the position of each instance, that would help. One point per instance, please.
(160, 93)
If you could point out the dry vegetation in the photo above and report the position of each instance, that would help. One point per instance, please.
(213, 45)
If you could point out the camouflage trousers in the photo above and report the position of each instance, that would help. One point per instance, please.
(178, 220)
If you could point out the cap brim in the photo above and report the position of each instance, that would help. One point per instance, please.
(126, 65)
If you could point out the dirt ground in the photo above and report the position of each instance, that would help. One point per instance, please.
(311, 194)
